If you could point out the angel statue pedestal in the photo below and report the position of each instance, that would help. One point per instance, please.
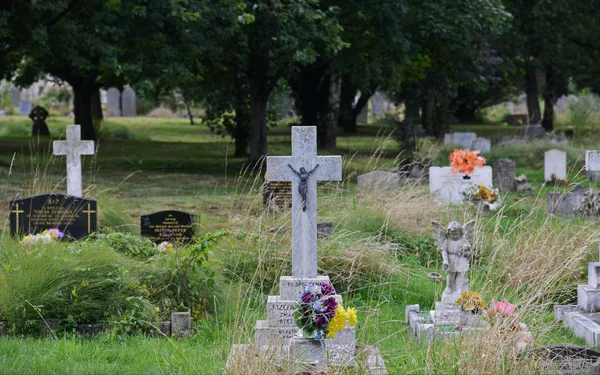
(454, 242)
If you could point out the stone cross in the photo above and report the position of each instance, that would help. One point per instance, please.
(73, 147)
(304, 211)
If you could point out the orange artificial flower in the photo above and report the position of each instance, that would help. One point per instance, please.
(465, 161)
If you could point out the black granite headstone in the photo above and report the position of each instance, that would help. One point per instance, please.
(172, 226)
(75, 217)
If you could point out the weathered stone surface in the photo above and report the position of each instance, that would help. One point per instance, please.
(73, 148)
(290, 286)
(181, 324)
(408, 309)
(505, 171)
(308, 351)
(482, 144)
(304, 205)
(463, 139)
(113, 97)
(129, 103)
(555, 165)
(377, 182)
(567, 204)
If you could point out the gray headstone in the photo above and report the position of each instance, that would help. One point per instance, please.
(129, 103)
(505, 171)
(25, 107)
(377, 182)
(463, 139)
(567, 204)
(378, 104)
(592, 165)
(181, 324)
(482, 144)
(112, 102)
(555, 164)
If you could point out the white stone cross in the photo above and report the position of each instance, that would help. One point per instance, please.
(73, 147)
(304, 213)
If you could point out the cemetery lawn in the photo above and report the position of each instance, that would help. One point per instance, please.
(381, 251)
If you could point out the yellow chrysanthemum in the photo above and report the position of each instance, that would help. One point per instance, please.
(338, 322)
(352, 318)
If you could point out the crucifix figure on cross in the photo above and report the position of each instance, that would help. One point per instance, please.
(73, 148)
(304, 168)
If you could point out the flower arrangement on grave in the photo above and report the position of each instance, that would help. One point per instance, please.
(49, 235)
(465, 161)
(319, 315)
(471, 302)
(501, 314)
(482, 194)
(165, 247)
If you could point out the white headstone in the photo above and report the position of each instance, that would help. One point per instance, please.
(447, 187)
(592, 160)
(482, 144)
(112, 102)
(304, 168)
(129, 103)
(555, 164)
(73, 148)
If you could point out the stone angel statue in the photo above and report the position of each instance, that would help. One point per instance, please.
(454, 243)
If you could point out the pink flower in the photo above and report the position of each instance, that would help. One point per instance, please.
(523, 326)
(505, 308)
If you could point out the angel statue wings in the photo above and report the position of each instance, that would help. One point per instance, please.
(454, 243)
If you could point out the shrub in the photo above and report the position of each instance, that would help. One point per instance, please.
(128, 244)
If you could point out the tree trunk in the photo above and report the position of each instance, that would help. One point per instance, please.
(361, 103)
(259, 98)
(329, 114)
(549, 100)
(97, 115)
(427, 107)
(531, 89)
(241, 131)
(83, 90)
(309, 95)
(348, 91)
(189, 111)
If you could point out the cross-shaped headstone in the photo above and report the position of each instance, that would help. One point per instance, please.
(304, 168)
(73, 147)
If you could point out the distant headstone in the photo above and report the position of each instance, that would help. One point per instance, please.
(592, 165)
(113, 97)
(24, 107)
(447, 187)
(533, 132)
(505, 171)
(76, 217)
(482, 144)
(379, 104)
(277, 195)
(463, 139)
(172, 226)
(517, 120)
(129, 103)
(555, 165)
(39, 115)
(377, 182)
(73, 148)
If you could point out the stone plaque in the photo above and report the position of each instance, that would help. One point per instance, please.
(75, 217)
(277, 195)
(172, 226)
